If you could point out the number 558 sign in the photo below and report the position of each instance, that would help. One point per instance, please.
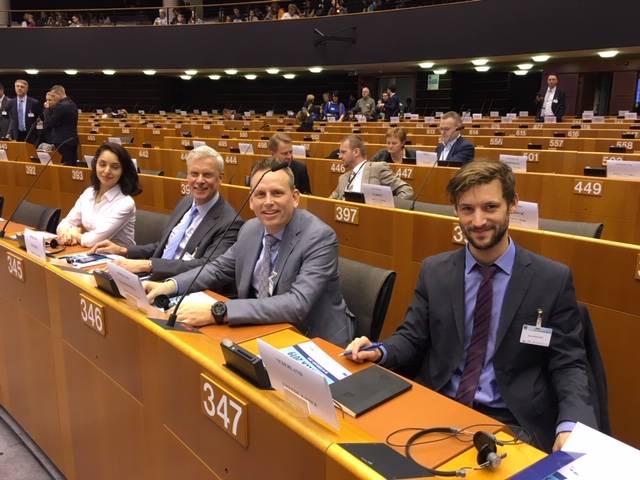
(224, 409)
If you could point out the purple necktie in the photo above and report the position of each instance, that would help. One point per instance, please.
(478, 347)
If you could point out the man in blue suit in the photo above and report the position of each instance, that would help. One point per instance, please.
(23, 111)
(392, 106)
(453, 150)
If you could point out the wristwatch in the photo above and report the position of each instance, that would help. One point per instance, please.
(218, 312)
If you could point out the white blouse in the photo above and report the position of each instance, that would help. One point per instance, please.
(113, 218)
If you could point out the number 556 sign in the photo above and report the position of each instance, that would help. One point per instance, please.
(224, 409)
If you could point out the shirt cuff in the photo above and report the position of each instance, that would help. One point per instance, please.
(175, 285)
(565, 427)
(383, 357)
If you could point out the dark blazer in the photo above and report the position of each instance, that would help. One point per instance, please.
(4, 117)
(34, 108)
(462, 151)
(306, 289)
(301, 176)
(383, 155)
(557, 104)
(200, 245)
(61, 122)
(392, 107)
(541, 386)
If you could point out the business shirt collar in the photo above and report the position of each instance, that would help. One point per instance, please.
(205, 207)
(505, 262)
(112, 193)
(453, 140)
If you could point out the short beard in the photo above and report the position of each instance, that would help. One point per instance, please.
(498, 236)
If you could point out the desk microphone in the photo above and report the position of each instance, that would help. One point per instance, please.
(33, 184)
(174, 315)
(424, 183)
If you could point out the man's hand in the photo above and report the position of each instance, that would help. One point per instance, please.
(134, 266)
(196, 314)
(560, 439)
(358, 356)
(154, 289)
(107, 246)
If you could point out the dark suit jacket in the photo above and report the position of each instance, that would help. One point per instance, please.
(557, 104)
(32, 107)
(301, 176)
(462, 151)
(61, 122)
(541, 386)
(200, 245)
(383, 155)
(306, 289)
(392, 107)
(4, 117)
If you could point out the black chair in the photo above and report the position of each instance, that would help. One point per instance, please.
(38, 216)
(181, 174)
(425, 207)
(149, 226)
(367, 291)
(1, 205)
(152, 171)
(597, 377)
(582, 229)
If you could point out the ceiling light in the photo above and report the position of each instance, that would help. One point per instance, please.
(315, 69)
(214, 77)
(478, 62)
(185, 77)
(484, 68)
(426, 65)
(32, 71)
(149, 72)
(273, 71)
(231, 71)
(521, 72)
(440, 71)
(289, 76)
(71, 72)
(109, 72)
(191, 72)
(608, 53)
(525, 66)
(540, 58)
(250, 76)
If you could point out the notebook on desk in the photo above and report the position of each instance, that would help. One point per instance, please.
(360, 392)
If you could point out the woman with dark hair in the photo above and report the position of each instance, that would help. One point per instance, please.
(105, 210)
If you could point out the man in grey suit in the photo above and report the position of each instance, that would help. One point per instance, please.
(359, 171)
(493, 325)
(4, 113)
(284, 264)
(194, 229)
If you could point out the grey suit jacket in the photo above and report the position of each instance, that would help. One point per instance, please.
(199, 246)
(306, 290)
(376, 173)
(541, 386)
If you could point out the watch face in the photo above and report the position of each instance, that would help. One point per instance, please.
(219, 308)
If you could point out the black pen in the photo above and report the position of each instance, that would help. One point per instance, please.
(373, 346)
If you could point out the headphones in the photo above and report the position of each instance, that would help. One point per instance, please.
(484, 442)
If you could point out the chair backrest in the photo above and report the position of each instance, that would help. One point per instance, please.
(367, 291)
(38, 216)
(181, 174)
(152, 171)
(149, 226)
(1, 205)
(582, 229)
(436, 208)
(597, 377)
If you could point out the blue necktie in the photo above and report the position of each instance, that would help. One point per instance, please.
(174, 240)
(21, 126)
(266, 267)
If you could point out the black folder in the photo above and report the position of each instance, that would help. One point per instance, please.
(366, 389)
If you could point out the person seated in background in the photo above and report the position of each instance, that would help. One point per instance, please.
(227, 114)
(281, 147)
(291, 13)
(253, 15)
(161, 19)
(312, 109)
(75, 21)
(452, 147)
(305, 120)
(337, 8)
(285, 265)
(381, 103)
(466, 332)
(105, 210)
(359, 171)
(334, 108)
(366, 105)
(237, 16)
(195, 229)
(396, 150)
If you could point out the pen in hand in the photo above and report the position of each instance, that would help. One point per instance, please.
(373, 346)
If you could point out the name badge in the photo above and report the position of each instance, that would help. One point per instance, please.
(30, 115)
(533, 335)
(4, 113)
(187, 257)
(555, 100)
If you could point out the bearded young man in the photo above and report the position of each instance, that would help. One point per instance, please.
(467, 329)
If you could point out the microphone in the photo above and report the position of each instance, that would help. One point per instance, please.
(424, 184)
(33, 184)
(171, 322)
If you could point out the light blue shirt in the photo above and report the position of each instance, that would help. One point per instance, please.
(447, 148)
(255, 281)
(202, 212)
